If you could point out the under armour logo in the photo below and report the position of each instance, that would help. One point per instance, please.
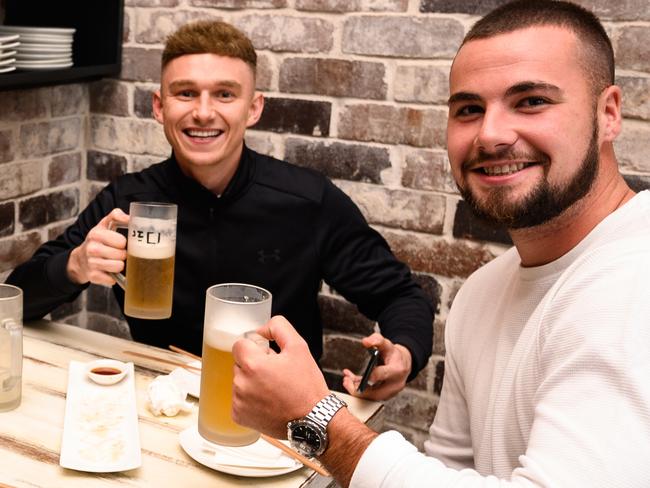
(268, 257)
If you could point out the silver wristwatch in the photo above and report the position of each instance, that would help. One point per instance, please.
(308, 435)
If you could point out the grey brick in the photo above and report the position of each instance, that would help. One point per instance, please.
(408, 37)
(335, 77)
(296, 116)
(354, 162)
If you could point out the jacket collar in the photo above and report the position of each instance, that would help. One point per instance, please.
(192, 191)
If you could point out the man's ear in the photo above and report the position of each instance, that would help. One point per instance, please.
(609, 113)
(157, 104)
(255, 110)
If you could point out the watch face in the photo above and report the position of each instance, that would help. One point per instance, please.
(306, 439)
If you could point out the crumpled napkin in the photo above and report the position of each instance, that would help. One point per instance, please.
(167, 397)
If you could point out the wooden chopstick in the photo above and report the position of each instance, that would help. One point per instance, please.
(184, 352)
(162, 360)
(299, 457)
(275, 442)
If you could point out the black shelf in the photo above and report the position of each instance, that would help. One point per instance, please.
(97, 45)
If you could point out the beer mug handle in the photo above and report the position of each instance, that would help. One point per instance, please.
(118, 277)
(16, 343)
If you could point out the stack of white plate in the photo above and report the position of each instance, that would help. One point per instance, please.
(41, 47)
(8, 45)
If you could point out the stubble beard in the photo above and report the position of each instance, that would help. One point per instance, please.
(544, 202)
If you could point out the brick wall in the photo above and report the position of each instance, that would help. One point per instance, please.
(354, 88)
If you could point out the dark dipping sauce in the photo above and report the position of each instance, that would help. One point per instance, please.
(103, 370)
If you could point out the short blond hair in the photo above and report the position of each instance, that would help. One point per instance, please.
(210, 37)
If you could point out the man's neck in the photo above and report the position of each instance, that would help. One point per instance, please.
(547, 242)
(214, 177)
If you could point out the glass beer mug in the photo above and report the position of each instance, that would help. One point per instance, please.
(231, 310)
(151, 247)
(11, 346)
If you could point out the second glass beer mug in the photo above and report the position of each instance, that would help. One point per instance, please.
(231, 310)
(151, 247)
(11, 346)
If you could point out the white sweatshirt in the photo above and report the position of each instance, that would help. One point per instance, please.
(547, 373)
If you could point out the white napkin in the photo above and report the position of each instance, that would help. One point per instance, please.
(261, 454)
(167, 396)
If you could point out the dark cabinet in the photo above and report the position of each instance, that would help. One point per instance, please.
(97, 46)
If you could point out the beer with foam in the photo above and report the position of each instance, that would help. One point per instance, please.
(231, 310)
(151, 246)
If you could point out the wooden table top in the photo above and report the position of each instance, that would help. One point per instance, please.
(30, 436)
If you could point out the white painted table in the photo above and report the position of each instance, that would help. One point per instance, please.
(30, 436)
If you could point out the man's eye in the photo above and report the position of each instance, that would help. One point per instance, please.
(225, 95)
(185, 94)
(469, 110)
(533, 102)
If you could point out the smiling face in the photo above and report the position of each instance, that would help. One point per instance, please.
(205, 104)
(522, 132)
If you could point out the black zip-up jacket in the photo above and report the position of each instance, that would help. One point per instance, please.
(278, 226)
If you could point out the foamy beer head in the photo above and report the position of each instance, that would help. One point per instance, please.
(150, 260)
(231, 310)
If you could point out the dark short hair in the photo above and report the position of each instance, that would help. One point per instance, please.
(597, 54)
(209, 37)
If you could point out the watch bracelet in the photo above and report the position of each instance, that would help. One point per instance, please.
(325, 409)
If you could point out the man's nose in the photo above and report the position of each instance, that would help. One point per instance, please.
(204, 107)
(496, 132)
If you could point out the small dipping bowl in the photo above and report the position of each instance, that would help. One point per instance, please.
(106, 371)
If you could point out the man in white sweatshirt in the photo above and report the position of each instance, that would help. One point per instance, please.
(547, 372)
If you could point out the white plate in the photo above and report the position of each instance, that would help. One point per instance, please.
(45, 39)
(39, 62)
(21, 29)
(5, 62)
(11, 45)
(7, 54)
(268, 459)
(7, 69)
(44, 48)
(6, 38)
(42, 66)
(188, 380)
(41, 56)
(100, 429)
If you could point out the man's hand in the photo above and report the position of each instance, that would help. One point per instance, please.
(103, 252)
(269, 388)
(387, 379)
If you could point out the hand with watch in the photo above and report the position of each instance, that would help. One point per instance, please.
(285, 395)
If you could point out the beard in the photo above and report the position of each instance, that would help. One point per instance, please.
(544, 202)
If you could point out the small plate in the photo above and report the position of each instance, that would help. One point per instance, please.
(5, 62)
(100, 427)
(106, 371)
(272, 461)
(7, 69)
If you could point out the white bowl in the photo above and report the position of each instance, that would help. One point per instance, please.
(106, 371)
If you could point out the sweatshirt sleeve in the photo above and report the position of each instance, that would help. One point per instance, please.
(358, 264)
(43, 278)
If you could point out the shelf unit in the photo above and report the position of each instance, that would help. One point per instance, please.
(97, 45)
